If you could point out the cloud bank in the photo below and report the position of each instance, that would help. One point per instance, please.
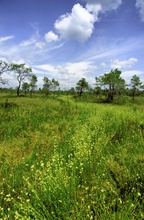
(123, 64)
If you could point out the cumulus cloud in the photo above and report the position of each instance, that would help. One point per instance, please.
(76, 69)
(94, 9)
(79, 68)
(50, 36)
(129, 74)
(123, 64)
(3, 39)
(79, 24)
(68, 74)
(140, 7)
(106, 5)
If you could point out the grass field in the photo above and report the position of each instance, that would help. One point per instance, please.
(65, 159)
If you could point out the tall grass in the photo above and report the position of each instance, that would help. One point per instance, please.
(62, 159)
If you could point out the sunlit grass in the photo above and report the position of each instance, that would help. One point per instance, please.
(61, 159)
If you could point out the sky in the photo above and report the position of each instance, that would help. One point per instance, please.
(72, 39)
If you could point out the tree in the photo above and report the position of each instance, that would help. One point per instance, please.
(4, 67)
(54, 84)
(21, 73)
(112, 82)
(99, 87)
(25, 87)
(46, 85)
(33, 82)
(135, 84)
(72, 90)
(81, 85)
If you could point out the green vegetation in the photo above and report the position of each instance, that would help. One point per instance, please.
(63, 158)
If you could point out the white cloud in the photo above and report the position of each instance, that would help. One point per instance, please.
(3, 39)
(67, 75)
(47, 67)
(79, 68)
(40, 45)
(128, 74)
(106, 5)
(79, 24)
(50, 36)
(123, 64)
(105, 49)
(103, 65)
(140, 6)
(32, 40)
(94, 9)
(28, 42)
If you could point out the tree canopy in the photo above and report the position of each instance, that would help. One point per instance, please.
(21, 73)
(135, 84)
(4, 67)
(112, 82)
(81, 85)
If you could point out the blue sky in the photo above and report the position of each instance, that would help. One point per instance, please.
(71, 39)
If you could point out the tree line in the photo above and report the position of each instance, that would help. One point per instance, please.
(111, 83)
(23, 73)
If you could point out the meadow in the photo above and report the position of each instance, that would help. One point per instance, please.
(65, 159)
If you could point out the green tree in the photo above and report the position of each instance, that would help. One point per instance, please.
(72, 90)
(81, 85)
(99, 86)
(112, 82)
(21, 73)
(4, 67)
(135, 84)
(46, 85)
(33, 81)
(54, 84)
(25, 87)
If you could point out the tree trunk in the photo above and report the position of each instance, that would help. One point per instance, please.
(18, 91)
(133, 95)
(110, 96)
(80, 93)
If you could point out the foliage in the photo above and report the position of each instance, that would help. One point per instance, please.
(135, 84)
(4, 67)
(54, 84)
(111, 82)
(49, 85)
(81, 85)
(33, 81)
(46, 85)
(25, 87)
(61, 159)
(21, 73)
(7, 104)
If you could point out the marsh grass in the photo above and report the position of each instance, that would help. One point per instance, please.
(62, 159)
